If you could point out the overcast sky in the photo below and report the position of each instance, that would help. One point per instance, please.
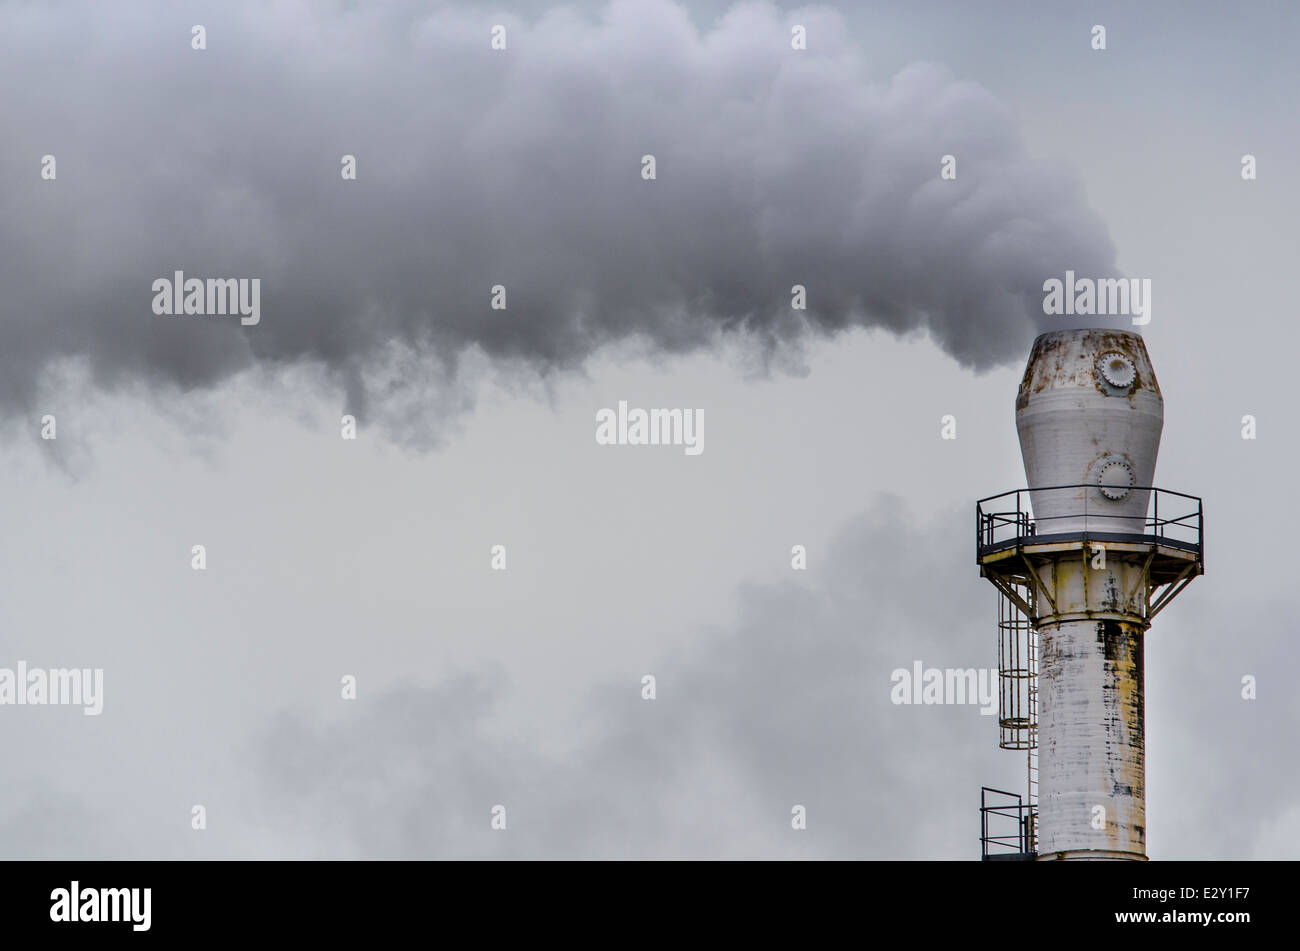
(523, 167)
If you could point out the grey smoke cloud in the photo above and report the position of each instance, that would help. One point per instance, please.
(790, 703)
(790, 706)
(519, 167)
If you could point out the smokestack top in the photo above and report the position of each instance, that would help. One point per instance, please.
(1113, 362)
(1089, 414)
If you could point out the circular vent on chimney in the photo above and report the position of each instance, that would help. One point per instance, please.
(1116, 480)
(1117, 369)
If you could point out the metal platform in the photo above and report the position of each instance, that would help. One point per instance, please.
(1170, 546)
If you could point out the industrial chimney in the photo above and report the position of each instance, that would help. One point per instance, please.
(1083, 558)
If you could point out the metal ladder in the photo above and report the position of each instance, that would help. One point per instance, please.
(1018, 695)
(1032, 755)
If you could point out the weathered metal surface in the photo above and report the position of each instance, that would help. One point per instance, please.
(1076, 426)
(1091, 737)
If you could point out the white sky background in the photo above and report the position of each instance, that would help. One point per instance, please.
(328, 557)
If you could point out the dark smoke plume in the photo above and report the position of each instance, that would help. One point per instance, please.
(519, 167)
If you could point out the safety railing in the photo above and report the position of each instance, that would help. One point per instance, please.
(1015, 820)
(1007, 519)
